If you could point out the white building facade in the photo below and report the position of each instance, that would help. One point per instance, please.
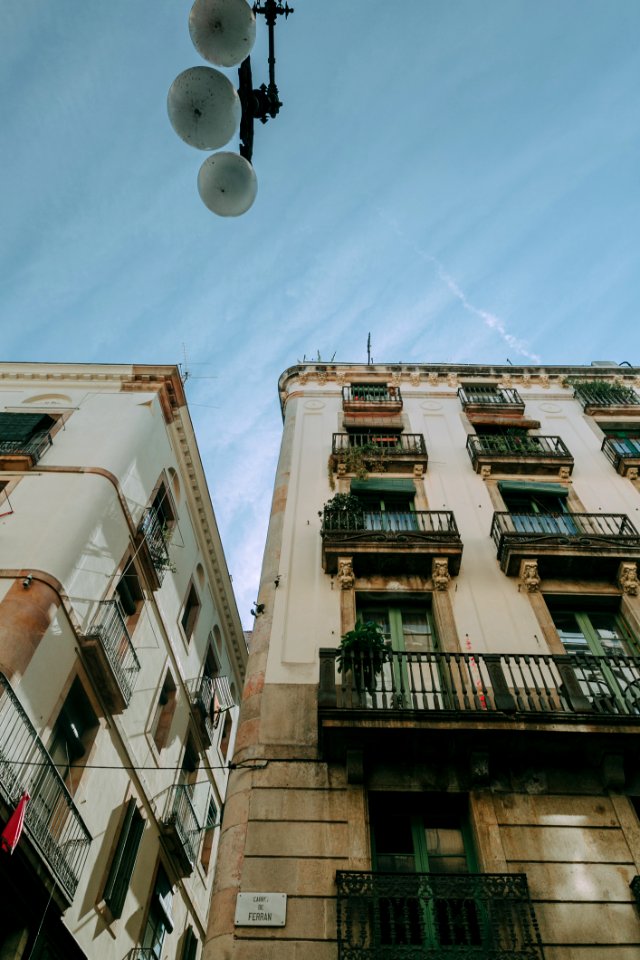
(471, 788)
(122, 659)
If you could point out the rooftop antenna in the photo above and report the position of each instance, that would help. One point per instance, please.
(369, 360)
(185, 370)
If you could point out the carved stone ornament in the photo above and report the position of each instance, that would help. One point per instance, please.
(414, 378)
(342, 469)
(440, 573)
(526, 379)
(433, 379)
(303, 377)
(544, 381)
(485, 471)
(506, 381)
(529, 576)
(341, 378)
(452, 379)
(564, 473)
(418, 471)
(346, 578)
(322, 376)
(628, 578)
(395, 380)
(632, 473)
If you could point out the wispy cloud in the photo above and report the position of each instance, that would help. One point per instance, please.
(490, 320)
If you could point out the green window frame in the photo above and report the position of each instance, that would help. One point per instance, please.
(124, 860)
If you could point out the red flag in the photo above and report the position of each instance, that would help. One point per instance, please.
(13, 829)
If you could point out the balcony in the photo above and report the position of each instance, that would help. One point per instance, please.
(543, 456)
(382, 542)
(181, 830)
(53, 826)
(152, 541)
(362, 401)
(376, 452)
(599, 397)
(493, 400)
(142, 953)
(387, 916)
(23, 454)
(584, 546)
(110, 656)
(624, 454)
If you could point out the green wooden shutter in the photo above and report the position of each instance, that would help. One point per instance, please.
(124, 860)
(20, 427)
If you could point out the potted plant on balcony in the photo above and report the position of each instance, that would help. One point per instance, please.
(344, 512)
(363, 653)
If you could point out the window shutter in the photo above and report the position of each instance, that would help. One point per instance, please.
(190, 948)
(20, 427)
(124, 860)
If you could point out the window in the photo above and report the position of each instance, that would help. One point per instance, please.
(432, 836)
(162, 506)
(190, 945)
(599, 640)
(124, 859)
(537, 507)
(225, 739)
(387, 504)
(22, 430)
(190, 612)
(164, 711)
(129, 592)
(159, 919)
(413, 671)
(73, 733)
(209, 830)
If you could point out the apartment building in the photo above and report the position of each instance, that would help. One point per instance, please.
(459, 776)
(122, 658)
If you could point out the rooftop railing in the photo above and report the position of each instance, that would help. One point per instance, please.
(52, 821)
(497, 445)
(490, 396)
(485, 685)
(110, 629)
(605, 395)
(390, 445)
(33, 447)
(385, 916)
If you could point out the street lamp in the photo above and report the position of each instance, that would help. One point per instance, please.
(205, 109)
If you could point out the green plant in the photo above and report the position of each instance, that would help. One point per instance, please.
(363, 652)
(360, 459)
(344, 511)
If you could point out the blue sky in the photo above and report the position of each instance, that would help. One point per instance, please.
(462, 179)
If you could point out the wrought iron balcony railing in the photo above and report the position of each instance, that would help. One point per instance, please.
(181, 828)
(371, 393)
(107, 645)
(564, 527)
(156, 539)
(488, 686)
(52, 822)
(142, 953)
(32, 448)
(524, 448)
(388, 445)
(622, 450)
(387, 525)
(203, 701)
(492, 397)
(427, 916)
(605, 395)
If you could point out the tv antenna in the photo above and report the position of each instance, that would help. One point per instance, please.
(369, 360)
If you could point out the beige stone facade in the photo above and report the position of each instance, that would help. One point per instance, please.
(121, 659)
(474, 792)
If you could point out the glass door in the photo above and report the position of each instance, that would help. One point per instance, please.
(411, 677)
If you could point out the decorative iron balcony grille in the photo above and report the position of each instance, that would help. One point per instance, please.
(619, 449)
(428, 916)
(181, 827)
(585, 529)
(371, 393)
(33, 448)
(605, 395)
(110, 629)
(52, 821)
(156, 539)
(493, 397)
(142, 953)
(390, 445)
(392, 524)
(203, 700)
(496, 445)
(486, 685)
